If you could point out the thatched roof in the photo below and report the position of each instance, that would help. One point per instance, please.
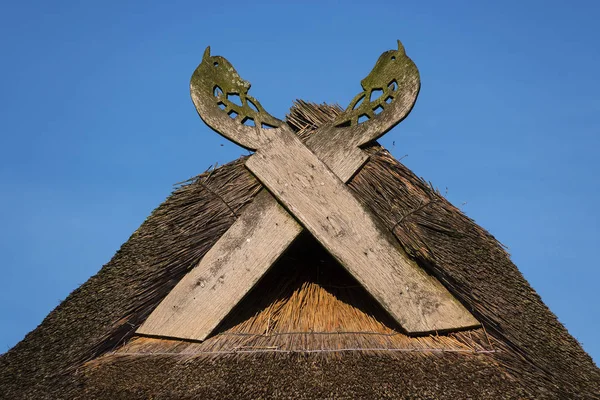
(308, 329)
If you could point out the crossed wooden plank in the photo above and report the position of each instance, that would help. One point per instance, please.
(306, 189)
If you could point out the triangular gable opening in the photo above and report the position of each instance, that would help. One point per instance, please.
(307, 302)
(308, 291)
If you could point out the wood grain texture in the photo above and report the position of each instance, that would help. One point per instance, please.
(327, 208)
(198, 303)
(262, 234)
(343, 158)
(204, 297)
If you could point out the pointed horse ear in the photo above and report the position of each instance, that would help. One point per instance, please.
(401, 48)
(206, 54)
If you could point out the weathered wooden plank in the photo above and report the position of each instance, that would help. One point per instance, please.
(232, 267)
(327, 208)
(341, 157)
(192, 312)
(200, 301)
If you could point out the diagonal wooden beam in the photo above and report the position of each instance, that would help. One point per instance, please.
(308, 180)
(330, 212)
(326, 207)
(226, 273)
(233, 266)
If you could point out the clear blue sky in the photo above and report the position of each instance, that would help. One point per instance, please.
(96, 124)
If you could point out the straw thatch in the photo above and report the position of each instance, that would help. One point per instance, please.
(308, 329)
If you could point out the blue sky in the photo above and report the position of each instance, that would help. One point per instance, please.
(96, 124)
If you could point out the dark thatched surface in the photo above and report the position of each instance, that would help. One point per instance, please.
(86, 347)
(352, 376)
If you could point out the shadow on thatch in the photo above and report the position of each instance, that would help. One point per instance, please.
(306, 265)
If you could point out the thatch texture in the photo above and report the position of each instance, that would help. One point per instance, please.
(307, 303)
(307, 330)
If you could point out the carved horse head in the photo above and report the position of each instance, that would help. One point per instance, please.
(222, 101)
(390, 78)
(215, 86)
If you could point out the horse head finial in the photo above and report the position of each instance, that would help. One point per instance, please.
(222, 101)
(394, 79)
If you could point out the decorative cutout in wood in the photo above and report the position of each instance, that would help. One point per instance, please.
(306, 190)
(380, 87)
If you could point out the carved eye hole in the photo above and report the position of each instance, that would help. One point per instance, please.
(393, 58)
(216, 64)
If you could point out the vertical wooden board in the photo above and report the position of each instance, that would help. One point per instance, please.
(327, 208)
(200, 301)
